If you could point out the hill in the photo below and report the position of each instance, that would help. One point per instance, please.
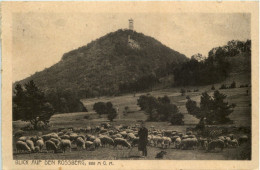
(99, 67)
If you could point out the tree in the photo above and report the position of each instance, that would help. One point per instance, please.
(212, 110)
(183, 92)
(206, 107)
(160, 109)
(126, 110)
(233, 84)
(165, 99)
(100, 108)
(192, 108)
(111, 111)
(221, 109)
(29, 104)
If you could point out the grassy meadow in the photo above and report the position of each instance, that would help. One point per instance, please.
(241, 117)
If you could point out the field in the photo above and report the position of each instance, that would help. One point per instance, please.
(241, 117)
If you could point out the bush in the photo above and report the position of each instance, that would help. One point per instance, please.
(42, 126)
(177, 119)
(233, 85)
(19, 133)
(87, 117)
(28, 127)
(223, 86)
(182, 91)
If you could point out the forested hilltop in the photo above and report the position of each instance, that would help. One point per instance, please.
(103, 66)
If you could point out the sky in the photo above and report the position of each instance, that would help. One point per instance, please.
(40, 39)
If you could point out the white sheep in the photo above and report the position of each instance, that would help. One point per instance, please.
(51, 146)
(30, 144)
(89, 145)
(122, 142)
(65, 137)
(166, 142)
(22, 146)
(23, 138)
(56, 141)
(177, 143)
(97, 143)
(65, 143)
(49, 136)
(40, 144)
(105, 140)
(80, 143)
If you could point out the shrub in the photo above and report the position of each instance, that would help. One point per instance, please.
(42, 126)
(28, 127)
(19, 133)
(86, 117)
(233, 85)
(223, 86)
(182, 91)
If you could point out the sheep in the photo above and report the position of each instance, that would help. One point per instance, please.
(135, 141)
(56, 141)
(65, 137)
(203, 143)
(82, 136)
(122, 142)
(105, 140)
(189, 143)
(242, 139)
(49, 136)
(218, 143)
(231, 136)
(233, 143)
(131, 136)
(89, 145)
(60, 134)
(30, 144)
(185, 137)
(80, 143)
(51, 146)
(36, 149)
(34, 138)
(173, 138)
(124, 134)
(97, 143)
(166, 142)
(103, 131)
(88, 129)
(39, 143)
(22, 146)
(23, 138)
(92, 138)
(65, 143)
(189, 133)
(73, 136)
(157, 140)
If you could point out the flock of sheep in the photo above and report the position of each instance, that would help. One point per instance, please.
(105, 135)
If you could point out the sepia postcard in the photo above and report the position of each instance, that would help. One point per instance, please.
(130, 85)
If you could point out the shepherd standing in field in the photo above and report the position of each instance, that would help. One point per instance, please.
(143, 139)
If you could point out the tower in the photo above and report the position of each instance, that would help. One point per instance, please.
(131, 24)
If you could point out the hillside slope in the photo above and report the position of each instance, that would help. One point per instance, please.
(103, 64)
